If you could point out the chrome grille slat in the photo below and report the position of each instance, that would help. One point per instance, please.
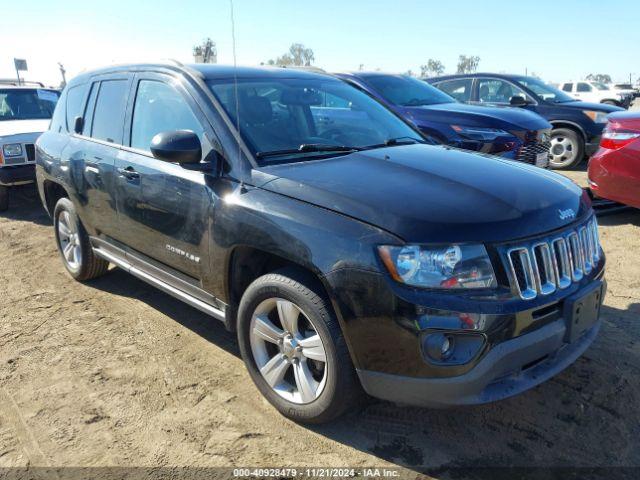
(543, 267)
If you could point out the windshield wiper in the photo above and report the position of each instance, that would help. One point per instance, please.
(309, 147)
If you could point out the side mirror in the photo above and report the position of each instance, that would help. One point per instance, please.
(518, 101)
(179, 146)
(78, 125)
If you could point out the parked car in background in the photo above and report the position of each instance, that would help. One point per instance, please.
(597, 92)
(614, 170)
(626, 89)
(507, 132)
(577, 125)
(347, 255)
(25, 112)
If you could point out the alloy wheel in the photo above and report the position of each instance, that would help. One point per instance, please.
(69, 238)
(563, 151)
(288, 351)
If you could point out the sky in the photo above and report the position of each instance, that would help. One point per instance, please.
(556, 39)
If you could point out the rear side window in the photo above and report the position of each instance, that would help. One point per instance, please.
(567, 87)
(458, 89)
(75, 98)
(160, 108)
(584, 87)
(108, 117)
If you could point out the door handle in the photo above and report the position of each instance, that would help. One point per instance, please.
(128, 173)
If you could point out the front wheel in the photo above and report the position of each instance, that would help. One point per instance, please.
(567, 148)
(294, 348)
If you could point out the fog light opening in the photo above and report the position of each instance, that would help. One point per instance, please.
(440, 346)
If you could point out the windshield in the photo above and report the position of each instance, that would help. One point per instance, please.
(545, 91)
(294, 119)
(27, 104)
(406, 91)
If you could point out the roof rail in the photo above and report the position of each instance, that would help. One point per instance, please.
(175, 62)
(14, 82)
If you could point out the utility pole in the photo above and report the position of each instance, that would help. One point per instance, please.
(62, 72)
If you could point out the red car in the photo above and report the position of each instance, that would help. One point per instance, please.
(614, 170)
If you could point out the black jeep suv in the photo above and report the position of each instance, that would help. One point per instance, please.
(345, 251)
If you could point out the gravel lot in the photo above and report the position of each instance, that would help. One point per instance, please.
(115, 372)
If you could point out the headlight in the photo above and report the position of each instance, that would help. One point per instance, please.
(447, 266)
(12, 150)
(598, 117)
(479, 133)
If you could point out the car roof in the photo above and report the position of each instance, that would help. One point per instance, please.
(509, 76)
(208, 71)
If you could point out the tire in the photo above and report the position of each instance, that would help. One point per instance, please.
(567, 148)
(4, 198)
(82, 264)
(337, 388)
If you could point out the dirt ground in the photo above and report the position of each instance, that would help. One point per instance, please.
(116, 373)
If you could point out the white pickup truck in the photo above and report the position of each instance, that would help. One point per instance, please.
(596, 92)
(25, 112)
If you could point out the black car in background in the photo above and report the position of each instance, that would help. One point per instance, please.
(577, 126)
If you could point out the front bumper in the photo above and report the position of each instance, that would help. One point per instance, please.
(17, 174)
(510, 368)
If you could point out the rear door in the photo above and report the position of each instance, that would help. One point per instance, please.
(163, 208)
(92, 153)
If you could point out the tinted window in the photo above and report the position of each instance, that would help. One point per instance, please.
(75, 97)
(159, 108)
(89, 109)
(544, 91)
(283, 113)
(584, 87)
(458, 89)
(498, 91)
(59, 120)
(406, 91)
(27, 104)
(109, 112)
(567, 87)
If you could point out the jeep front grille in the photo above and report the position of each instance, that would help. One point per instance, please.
(31, 152)
(529, 152)
(554, 263)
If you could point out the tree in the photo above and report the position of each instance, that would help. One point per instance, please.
(409, 73)
(468, 64)
(206, 52)
(599, 77)
(298, 55)
(433, 68)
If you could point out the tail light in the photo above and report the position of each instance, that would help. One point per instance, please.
(614, 137)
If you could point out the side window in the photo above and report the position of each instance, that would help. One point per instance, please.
(567, 87)
(498, 91)
(458, 89)
(59, 119)
(108, 117)
(75, 97)
(160, 108)
(584, 87)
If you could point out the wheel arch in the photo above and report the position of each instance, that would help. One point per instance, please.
(246, 263)
(53, 192)
(570, 125)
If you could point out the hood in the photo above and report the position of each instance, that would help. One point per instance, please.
(424, 193)
(17, 127)
(598, 107)
(505, 118)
